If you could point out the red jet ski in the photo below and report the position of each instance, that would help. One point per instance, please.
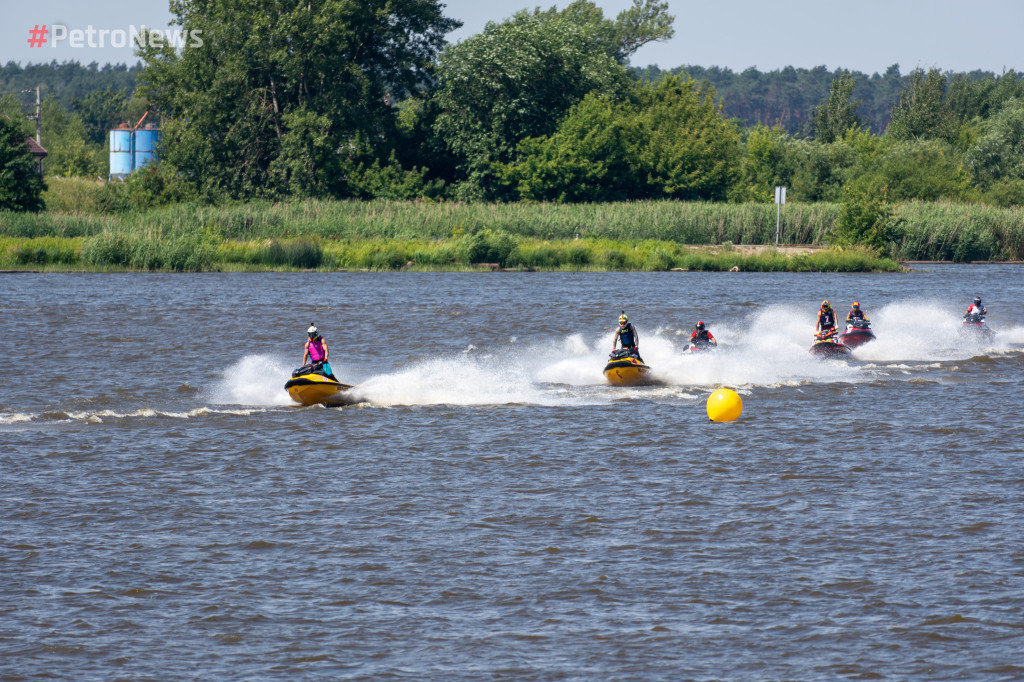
(975, 329)
(827, 346)
(702, 348)
(858, 332)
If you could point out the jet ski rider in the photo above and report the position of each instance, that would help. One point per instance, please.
(856, 314)
(316, 351)
(976, 312)
(701, 337)
(627, 335)
(826, 322)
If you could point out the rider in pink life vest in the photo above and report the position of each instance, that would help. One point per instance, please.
(316, 351)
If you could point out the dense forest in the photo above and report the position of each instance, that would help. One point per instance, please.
(324, 101)
(785, 97)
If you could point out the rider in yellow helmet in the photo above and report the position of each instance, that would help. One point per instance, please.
(628, 336)
(826, 321)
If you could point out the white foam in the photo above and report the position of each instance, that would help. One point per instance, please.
(468, 380)
(253, 380)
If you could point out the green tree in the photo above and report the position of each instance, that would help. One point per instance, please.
(922, 112)
(866, 217)
(517, 78)
(764, 165)
(66, 139)
(101, 111)
(999, 153)
(667, 140)
(21, 187)
(927, 170)
(644, 22)
(283, 96)
(838, 114)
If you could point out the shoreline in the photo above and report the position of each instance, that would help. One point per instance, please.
(482, 252)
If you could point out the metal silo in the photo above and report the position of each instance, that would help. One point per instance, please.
(120, 154)
(146, 141)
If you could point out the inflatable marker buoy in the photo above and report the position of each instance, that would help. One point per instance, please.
(724, 405)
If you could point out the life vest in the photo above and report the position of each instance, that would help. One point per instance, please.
(316, 349)
(627, 336)
(701, 337)
(828, 319)
(855, 314)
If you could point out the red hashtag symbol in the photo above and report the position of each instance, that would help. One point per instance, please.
(37, 36)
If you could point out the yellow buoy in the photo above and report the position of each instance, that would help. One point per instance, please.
(724, 405)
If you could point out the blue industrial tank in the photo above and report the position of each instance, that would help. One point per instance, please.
(120, 154)
(146, 141)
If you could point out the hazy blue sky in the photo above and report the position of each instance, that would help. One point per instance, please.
(864, 35)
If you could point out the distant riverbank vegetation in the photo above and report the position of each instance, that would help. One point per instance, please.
(200, 252)
(394, 146)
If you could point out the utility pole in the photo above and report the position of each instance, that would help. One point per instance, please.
(39, 119)
(39, 123)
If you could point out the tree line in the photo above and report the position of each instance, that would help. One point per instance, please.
(331, 99)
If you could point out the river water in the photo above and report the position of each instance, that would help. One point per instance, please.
(491, 509)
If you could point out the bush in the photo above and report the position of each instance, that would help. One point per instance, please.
(185, 253)
(865, 217)
(301, 253)
(490, 247)
(45, 252)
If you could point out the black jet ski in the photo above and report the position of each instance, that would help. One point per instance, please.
(309, 385)
(626, 368)
(828, 346)
(858, 332)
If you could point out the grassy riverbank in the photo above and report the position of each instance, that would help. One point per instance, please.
(387, 234)
(486, 250)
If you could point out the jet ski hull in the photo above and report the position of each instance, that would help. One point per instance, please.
(977, 332)
(626, 372)
(855, 338)
(830, 349)
(311, 389)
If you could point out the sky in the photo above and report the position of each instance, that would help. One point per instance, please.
(866, 35)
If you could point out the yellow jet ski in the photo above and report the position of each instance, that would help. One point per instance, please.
(310, 386)
(625, 368)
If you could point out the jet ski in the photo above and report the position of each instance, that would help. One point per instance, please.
(625, 368)
(309, 386)
(827, 346)
(702, 348)
(858, 332)
(975, 329)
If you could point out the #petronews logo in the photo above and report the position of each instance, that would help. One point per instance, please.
(91, 36)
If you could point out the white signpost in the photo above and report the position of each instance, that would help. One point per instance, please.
(780, 199)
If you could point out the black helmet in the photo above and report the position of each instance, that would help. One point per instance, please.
(700, 325)
(977, 300)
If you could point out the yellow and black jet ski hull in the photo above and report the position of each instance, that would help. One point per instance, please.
(626, 372)
(311, 389)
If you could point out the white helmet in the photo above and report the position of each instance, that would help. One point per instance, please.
(312, 331)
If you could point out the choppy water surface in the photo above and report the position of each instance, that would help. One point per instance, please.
(491, 509)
